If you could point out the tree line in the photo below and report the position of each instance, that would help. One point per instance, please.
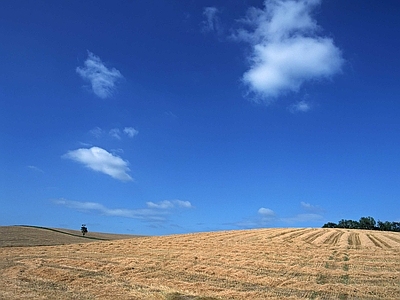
(368, 223)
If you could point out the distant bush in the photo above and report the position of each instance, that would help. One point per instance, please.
(368, 223)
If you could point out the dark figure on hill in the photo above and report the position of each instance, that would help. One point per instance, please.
(84, 229)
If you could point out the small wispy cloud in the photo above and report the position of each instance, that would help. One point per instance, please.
(34, 168)
(182, 203)
(211, 20)
(170, 114)
(301, 106)
(266, 212)
(115, 133)
(311, 208)
(100, 160)
(264, 217)
(154, 211)
(286, 49)
(143, 214)
(166, 204)
(130, 131)
(101, 78)
(267, 217)
(161, 205)
(97, 132)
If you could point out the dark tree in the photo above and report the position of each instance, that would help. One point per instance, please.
(350, 224)
(84, 229)
(330, 225)
(385, 226)
(396, 226)
(367, 223)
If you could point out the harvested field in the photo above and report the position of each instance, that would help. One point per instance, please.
(249, 264)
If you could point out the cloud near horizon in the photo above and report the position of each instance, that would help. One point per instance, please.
(266, 216)
(286, 50)
(266, 212)
(153, 212)
(100, 160)
(101, 78)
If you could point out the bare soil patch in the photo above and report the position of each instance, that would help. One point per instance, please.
(248, 264)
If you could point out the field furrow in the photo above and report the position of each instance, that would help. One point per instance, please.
(378, 241)
(296, 234)
(354, 240)
(313, 236)
(392, 237)
(333, 238)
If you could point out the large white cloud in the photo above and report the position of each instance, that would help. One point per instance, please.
(101, 160)
(286, 50)
(101, 78)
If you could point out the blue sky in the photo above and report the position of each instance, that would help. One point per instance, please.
(160, 117)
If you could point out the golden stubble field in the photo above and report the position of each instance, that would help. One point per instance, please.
(248, 264)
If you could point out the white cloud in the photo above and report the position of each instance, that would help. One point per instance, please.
(266, 212)
(266, 215)
(286, 50)
(154, 212)
(301, 106)
(147, 214)
(101, 78)
(102, 161)
(184, 204)
(166, 204)
(161, 205)
(211, 22)
(130, 131)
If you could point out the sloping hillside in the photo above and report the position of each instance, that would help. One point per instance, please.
(22, 236)
(249, 264)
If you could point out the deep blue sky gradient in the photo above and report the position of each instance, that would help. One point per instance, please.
(201, 139)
